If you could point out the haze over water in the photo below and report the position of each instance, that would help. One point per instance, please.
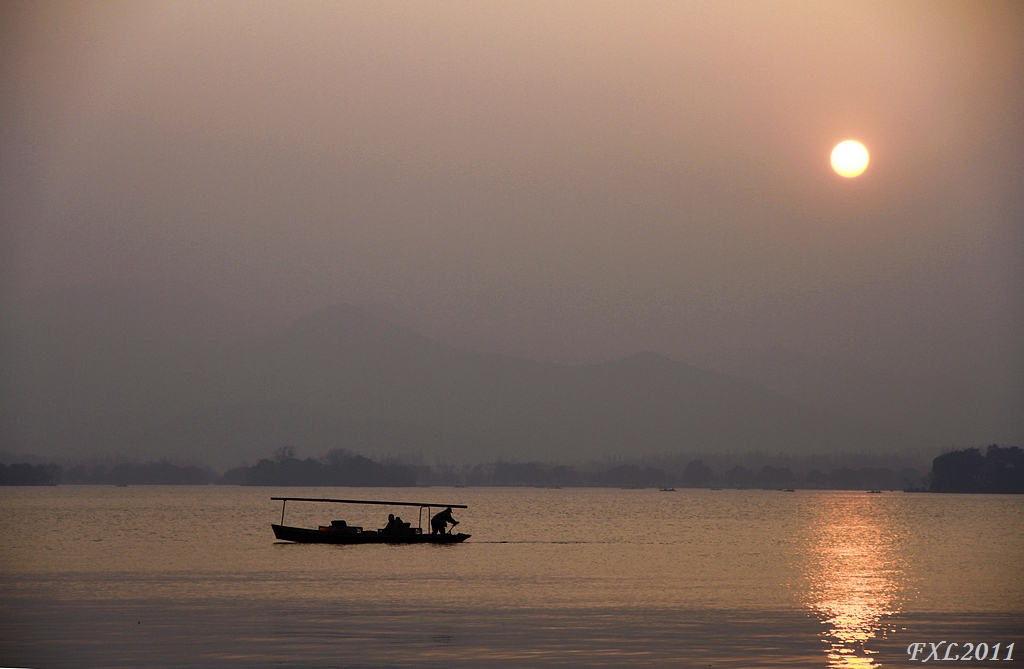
(569, 183)
(157, 576)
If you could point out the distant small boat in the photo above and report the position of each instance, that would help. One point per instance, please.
(667, 489)
(874, 492)
(788, 490)
(340, 532)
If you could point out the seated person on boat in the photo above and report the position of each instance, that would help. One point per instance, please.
(397, 526)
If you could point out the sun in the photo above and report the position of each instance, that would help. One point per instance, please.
(849, 158)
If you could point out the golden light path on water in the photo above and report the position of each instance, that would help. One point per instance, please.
(857, 575)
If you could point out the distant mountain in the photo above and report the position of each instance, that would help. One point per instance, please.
(85, 369)
(342, 378)
(955, 405)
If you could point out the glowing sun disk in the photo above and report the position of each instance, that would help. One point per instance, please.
(849, 158)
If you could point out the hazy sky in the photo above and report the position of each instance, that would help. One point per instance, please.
(565, 181)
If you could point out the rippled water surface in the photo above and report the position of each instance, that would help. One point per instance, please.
(178, 576)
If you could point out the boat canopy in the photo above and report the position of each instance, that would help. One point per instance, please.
(422, 505)
(365, 501)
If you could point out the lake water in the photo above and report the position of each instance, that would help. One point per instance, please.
(193, 577)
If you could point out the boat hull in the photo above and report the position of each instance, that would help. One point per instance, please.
(304, 535)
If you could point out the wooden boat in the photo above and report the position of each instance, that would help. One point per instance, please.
(340, 532)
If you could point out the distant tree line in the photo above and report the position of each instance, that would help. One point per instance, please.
(996, 470)
(150, 473)
(695, 474)
(129, 473)
(341, 468)
(338, 468)
(26, 474)
(999, 470)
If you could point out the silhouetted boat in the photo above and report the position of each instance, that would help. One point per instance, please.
(340, 532)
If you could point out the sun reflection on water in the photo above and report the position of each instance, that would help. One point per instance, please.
(857, 577)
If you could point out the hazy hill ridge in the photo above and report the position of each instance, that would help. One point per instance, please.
(343, 378)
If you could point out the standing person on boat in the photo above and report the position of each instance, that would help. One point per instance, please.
(441, 520)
